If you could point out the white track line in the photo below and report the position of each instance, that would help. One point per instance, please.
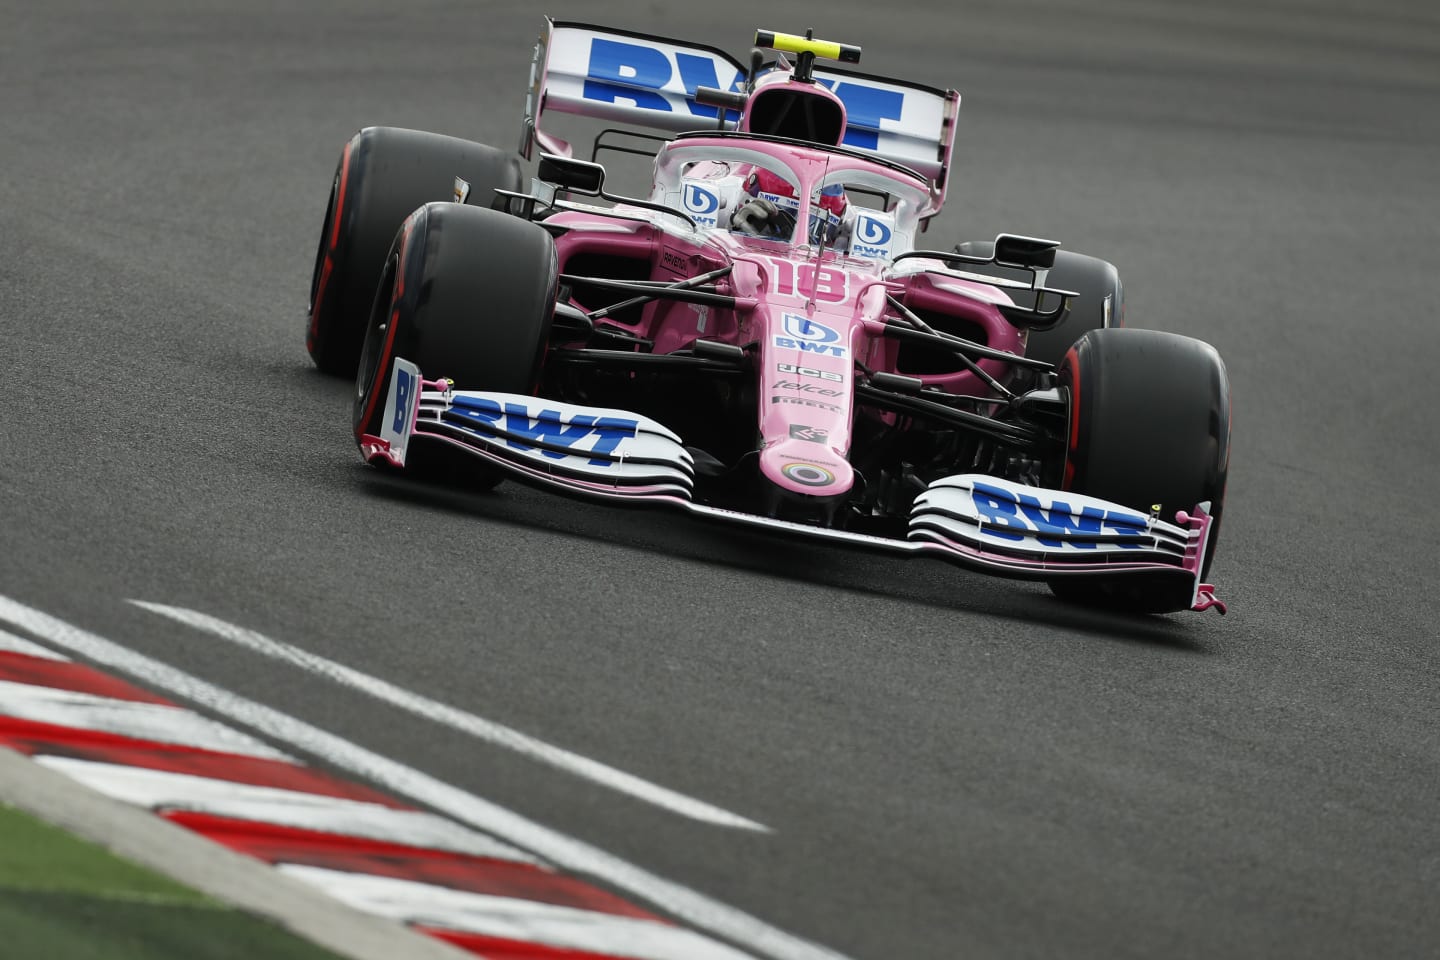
(167, 790)
(569, 928)
(577, 856)
(10, 643)
(127, 718)
(444, 714)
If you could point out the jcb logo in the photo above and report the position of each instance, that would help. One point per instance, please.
(810, 372)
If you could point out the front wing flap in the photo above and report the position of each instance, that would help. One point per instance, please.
(586, 448)
(977, 521)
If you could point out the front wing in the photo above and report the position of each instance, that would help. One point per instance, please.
(977, 521)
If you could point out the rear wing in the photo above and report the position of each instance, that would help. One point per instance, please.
(646, 81)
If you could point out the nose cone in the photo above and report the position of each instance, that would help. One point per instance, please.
(805, 464)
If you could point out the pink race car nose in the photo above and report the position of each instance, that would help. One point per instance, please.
(804, 464)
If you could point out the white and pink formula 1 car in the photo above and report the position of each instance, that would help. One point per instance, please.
(761, 339)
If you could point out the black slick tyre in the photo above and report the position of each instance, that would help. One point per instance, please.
(467, 294)
(384, 174)
(1149, 424)
(1100, 304)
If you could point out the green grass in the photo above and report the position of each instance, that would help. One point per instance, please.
(64, 899)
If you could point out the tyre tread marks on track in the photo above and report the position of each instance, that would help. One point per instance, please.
(445, 880)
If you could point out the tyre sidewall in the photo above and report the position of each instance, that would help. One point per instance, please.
(471, 300)
(384, 174)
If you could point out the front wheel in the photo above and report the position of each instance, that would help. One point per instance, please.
(1149, 426)
(384, 174)
(466, 294)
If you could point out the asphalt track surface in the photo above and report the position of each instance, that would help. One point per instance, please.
(951, 766)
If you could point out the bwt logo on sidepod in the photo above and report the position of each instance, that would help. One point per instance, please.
(516, 423)
(809, 336)
(701, 203)
(1026, 516)
(872, 237)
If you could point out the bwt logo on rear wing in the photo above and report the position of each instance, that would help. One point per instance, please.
(650, 81)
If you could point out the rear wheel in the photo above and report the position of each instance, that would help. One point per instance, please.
(1100, 304)
(384, 174)
(1149, 424)
(467, 294)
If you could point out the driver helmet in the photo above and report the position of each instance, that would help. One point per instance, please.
(827, 213)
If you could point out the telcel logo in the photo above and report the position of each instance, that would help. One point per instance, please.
(803, 387)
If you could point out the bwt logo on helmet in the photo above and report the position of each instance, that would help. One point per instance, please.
(1025, 516)
(662, 76)
(808, 336)
(872, 237)
(701, 203)
(545, 429)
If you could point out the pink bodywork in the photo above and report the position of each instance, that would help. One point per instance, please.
(805, 418)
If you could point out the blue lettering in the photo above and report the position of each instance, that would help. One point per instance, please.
(611, 430)
(1060, 521)
(865, 107)
(997, 512)
(627, 71)
(1053, 525)
(805, 346)
(1127, 525)
(404, 384)
(696, 72)
(479, 408)
(547, 429)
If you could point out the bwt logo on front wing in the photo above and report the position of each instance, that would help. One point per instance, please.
(517, 424)
(1011, 520)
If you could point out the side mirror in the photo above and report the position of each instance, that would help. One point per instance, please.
(725, 99)
(576, 176)
(1029, 253)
